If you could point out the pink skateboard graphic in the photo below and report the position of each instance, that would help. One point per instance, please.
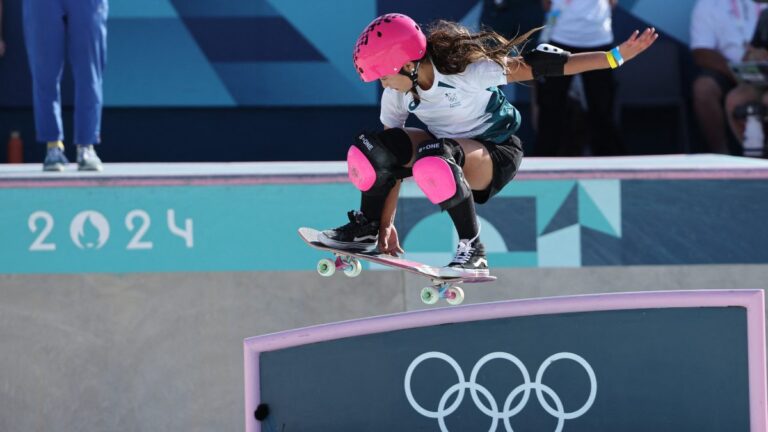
(349, 262)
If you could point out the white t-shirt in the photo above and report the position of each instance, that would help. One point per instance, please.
(465, 105)
(582, 23)
(725, 26)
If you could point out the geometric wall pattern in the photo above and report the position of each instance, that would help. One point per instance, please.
(226, 53)
(544, 224)
(245, 53)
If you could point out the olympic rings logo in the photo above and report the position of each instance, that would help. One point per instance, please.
(492, 409)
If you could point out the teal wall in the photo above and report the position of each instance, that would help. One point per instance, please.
(531, 223)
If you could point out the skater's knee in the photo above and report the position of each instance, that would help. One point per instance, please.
(438, 172)
(375, 160)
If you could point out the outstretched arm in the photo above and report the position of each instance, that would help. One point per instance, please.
(519, 70)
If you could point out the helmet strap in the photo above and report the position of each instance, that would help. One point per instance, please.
(413, 75)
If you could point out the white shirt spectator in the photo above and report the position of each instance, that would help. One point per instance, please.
(725, 26)
(582, 23)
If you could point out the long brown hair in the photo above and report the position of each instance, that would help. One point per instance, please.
(452, 47)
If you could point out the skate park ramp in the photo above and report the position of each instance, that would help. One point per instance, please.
(690, 360)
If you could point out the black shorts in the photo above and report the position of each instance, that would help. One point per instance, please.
(506, 159)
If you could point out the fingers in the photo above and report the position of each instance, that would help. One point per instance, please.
(649, 34)
(394, 249)
(639, 42)
(648, 37)
(389, 243)
(654, 35)
(386, 248)
(383, 246)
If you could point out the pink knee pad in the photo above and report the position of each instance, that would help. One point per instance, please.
(435, 178)
(361, 172)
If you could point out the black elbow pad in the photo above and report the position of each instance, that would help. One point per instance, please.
(546, 60)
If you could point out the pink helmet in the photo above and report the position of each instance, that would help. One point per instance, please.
(389, 42)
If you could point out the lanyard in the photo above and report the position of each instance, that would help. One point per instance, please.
(740, 11)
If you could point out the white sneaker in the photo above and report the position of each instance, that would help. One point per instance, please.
(87, 159)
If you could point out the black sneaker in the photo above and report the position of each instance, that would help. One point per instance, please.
(470, 260)
(359, 234)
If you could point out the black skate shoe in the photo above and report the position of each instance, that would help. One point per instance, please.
(357, 235)
(470, 260)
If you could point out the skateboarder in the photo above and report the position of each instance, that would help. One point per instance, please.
(449, 78)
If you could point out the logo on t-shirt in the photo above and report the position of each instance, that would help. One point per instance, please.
(453, 99)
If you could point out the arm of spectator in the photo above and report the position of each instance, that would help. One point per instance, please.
(518, 70)
(546, 5)
(713, 60)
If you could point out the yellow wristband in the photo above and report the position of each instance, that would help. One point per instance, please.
(611, 60)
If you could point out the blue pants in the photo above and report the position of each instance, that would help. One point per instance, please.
(53, 29)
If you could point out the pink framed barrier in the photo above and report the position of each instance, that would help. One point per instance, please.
(671, 360)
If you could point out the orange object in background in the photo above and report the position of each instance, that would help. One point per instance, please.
(15, 148)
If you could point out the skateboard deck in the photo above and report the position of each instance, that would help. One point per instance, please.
(443, 286)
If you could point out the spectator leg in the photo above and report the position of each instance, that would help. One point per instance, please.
(552, 96)
(600, 91)
(708, 105)
(44, 35)
(87, 43)
(741, 95)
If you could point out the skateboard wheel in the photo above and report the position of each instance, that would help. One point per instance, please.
(429, 295)
(454, 296)
(354, 268)
(326, 267)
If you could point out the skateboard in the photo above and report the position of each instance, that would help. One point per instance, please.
(349, 262)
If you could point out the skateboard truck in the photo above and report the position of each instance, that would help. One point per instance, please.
(454, 295)
(351, 266)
